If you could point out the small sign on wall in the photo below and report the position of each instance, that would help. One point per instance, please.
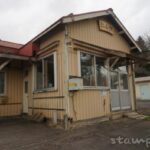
(106, 27)
(75, 84)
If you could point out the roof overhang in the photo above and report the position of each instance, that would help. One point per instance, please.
(18, 57)
(72, 18)
(142, 79)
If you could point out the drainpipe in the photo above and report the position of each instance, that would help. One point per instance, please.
(66, 71)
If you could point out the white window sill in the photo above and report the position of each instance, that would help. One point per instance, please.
(95, 88)
(45, 90)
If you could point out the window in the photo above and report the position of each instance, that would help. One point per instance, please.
(45, 73)
(93, 70)
(101, 72)
(87, 69)
(26, 87)
(39, 75)
(114, 80)
(2, 83)
(49, 72)
(124, 81)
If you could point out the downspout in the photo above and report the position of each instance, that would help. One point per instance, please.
(66, 71)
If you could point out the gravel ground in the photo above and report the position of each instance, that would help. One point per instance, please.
(20, 134)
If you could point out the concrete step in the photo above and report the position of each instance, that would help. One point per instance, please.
(116, 115)
(141, 117)
(134, 115)
(128, 114)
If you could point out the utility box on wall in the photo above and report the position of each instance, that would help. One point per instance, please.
(75, 84)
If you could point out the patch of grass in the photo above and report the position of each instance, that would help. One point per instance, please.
(147, 118)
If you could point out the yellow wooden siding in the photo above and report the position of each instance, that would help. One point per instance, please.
(13, 106)
(50, 99)
(87, 104)
(138, 90)
(73, 62)
(88, 31)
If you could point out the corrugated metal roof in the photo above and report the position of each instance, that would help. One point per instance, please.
(142, 79)
(10, 44)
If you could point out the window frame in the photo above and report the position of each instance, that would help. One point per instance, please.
(5, 83)
(43, 76)
(95, 77)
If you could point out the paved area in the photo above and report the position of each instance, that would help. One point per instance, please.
(143, 107)
(20, 134)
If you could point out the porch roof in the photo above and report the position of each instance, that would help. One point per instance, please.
(14, 56)
(142, 79)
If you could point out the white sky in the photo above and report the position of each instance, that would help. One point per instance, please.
(21, 20)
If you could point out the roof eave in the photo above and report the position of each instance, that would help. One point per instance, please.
(69, 19)
(47, 30)
(125, 30)
(18, 57)
(73, 18)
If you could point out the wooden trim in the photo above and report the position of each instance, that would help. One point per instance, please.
(48, 47)
(3, 95)
(54, 54)
(134, 87)
(109, 52)
(46, 54)
(5, 64)
(52, 97)
(55, 70)
(11, 56)
(57, 109)
(79, 63)
(11, 104)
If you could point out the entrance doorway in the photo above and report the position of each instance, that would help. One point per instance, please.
(25, 92)
(120, 98)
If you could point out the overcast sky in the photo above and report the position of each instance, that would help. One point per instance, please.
(21, 20)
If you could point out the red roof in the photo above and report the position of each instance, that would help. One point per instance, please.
(10, 44)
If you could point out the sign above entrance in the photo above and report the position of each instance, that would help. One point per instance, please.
(106, 27)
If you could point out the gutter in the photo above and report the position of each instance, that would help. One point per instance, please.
(10, 56)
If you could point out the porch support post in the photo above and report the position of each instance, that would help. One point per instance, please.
(66, 78)
(114, 63)
(132, 87)
(4, 64)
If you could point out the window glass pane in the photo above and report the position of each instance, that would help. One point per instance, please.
(2, 82)
(49, 72)
(123, 68)
(26, 87)
(114, 80)
(101, 72)
(87, 69)
(123, 81)
(39, 75)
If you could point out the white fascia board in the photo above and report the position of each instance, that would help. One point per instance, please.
(125, 30)
(69, 19)
(13, 56)
(46, 31)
